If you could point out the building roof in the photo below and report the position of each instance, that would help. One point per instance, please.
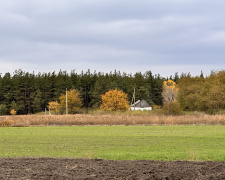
(141, 104)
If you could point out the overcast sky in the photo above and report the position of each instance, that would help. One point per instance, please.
(164, 36)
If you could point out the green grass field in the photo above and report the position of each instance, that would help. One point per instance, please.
(115, 142)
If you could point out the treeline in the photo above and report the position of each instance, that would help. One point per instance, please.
(202, 93)
(30, 93)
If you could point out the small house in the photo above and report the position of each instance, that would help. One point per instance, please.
(140, 105)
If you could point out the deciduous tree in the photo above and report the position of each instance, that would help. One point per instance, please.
(73, 99)
(54, 107)
(169, 92)
(114, 100)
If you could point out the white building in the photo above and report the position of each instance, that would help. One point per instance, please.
(140, 105)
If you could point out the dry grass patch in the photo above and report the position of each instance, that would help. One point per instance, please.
(6, 123)
(69, 120)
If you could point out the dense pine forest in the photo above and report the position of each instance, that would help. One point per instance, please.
(30, 93)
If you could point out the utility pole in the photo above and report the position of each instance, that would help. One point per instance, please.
(134, 98)
(86, 99)
(66, 103)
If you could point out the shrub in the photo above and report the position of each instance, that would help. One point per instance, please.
(13, 112)
(172, 108)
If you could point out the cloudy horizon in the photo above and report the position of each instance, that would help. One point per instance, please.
(163, 36)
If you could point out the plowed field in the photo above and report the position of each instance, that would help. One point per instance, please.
(49, 168)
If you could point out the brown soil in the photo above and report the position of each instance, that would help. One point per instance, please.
(47, 168)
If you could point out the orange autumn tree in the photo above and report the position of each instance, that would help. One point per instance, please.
(73, 100)
(114, 100)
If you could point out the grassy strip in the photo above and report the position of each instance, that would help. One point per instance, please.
(115, 142)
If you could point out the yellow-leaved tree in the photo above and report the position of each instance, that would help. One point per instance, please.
(169, 94)
(114, 100)
(54, 107)
(73, 100)
(170, 91)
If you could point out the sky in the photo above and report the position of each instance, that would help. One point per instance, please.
(163, 36)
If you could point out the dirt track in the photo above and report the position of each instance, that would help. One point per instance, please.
(47, 168)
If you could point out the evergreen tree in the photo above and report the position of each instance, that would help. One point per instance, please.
(95, 95)
(3, 109)
(37, 103)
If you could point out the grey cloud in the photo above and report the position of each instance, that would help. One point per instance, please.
(125, 34)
